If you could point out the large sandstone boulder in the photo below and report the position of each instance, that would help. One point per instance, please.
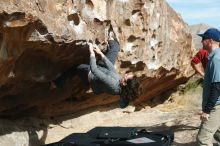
(40, 39)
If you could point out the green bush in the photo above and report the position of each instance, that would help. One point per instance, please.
(192, 84)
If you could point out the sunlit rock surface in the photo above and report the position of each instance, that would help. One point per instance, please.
(40, 39)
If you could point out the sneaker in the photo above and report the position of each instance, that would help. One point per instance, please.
(89, 91)
(111, 34)
(53, 86)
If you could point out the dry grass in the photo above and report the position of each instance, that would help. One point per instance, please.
(190, 99)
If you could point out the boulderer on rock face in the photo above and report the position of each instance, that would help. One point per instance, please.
(41, 39)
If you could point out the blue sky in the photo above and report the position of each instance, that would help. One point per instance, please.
(198, 11)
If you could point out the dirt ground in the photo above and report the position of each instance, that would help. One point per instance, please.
(179, 112)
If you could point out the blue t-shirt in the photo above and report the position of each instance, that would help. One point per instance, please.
(212, 75)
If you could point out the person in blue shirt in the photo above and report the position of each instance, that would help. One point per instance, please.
(210, 116)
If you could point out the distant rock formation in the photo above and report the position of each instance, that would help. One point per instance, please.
(197, 29)
(42, 38)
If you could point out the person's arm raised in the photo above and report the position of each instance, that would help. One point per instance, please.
(106, 79)
(108, 63)
(92, 53)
